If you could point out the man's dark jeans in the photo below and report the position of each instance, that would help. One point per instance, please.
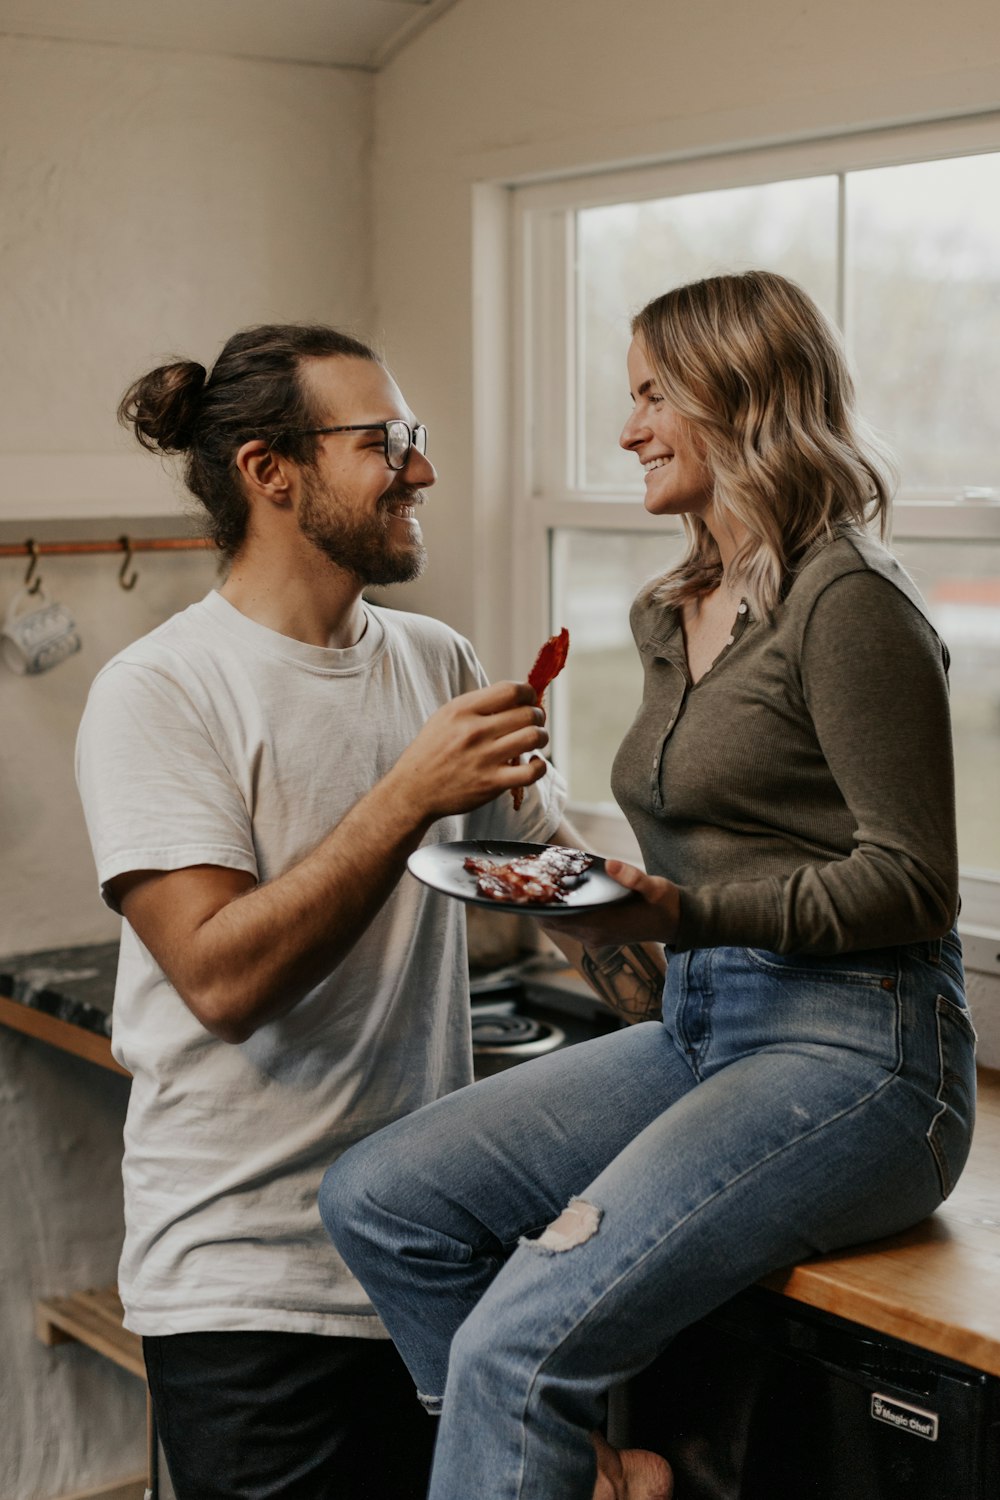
(250, 1416)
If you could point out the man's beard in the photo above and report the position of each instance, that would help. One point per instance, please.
(364, 548)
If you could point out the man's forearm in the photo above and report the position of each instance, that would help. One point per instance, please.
(257, 956)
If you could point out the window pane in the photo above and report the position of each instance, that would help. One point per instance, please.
(631, 252)
(961, 584)
(598, 574)
(923, 277)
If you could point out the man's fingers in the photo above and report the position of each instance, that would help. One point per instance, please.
(499, 696)
(518, 772)
(523, 742)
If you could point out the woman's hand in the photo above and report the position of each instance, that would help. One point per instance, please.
(651, 916)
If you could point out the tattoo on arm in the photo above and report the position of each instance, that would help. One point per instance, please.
(627, 979)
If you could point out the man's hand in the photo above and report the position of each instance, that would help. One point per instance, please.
(469, 751)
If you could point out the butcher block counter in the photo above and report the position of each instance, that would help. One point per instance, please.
(63, 996)
(936, 1286)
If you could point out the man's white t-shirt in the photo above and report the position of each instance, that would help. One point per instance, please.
(214, 740)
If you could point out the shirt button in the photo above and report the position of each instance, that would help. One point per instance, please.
(742, 609)
(730, 640)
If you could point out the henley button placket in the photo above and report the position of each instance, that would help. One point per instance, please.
(654, 781)
(669, 655)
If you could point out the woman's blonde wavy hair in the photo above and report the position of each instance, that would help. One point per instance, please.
(758, 374)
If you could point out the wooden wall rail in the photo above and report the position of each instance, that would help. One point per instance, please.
(123, 544)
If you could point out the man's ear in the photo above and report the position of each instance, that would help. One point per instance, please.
(265, 473)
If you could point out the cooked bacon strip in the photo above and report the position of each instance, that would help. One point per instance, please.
(531, 879)
(548, 664)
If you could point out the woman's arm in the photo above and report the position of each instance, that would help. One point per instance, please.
(873, 678)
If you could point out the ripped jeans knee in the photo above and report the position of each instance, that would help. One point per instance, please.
(578, 1222)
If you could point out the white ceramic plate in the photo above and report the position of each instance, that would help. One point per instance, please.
(442, 867)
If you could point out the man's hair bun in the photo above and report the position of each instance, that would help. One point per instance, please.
(163, 407)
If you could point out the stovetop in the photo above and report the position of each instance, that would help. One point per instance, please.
(530, 1010)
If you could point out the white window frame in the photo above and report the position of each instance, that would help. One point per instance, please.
(545, 459)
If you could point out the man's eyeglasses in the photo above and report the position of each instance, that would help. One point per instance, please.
(399, 437)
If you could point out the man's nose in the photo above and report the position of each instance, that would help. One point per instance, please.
(418, 469)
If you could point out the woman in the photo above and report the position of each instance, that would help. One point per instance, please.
(789, 779)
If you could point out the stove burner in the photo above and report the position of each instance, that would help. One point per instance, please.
(502, 1036)
(506, 1030)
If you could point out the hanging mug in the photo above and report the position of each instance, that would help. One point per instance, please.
(37, 634)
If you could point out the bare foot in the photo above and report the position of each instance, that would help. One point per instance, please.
(630, 1473)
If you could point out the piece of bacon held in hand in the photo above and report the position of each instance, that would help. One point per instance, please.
(548, 664)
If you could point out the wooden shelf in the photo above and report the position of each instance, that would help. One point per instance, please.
(45, 1028)
(93, 1318)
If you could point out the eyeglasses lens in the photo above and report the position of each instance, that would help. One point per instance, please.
(398, 441)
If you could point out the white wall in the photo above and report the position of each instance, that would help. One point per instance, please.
(152, 203)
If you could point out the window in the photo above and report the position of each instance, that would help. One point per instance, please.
(897, 237)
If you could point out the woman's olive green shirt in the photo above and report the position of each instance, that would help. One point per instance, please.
(801, 793)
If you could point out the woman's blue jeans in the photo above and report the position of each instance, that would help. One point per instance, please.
(787, 1105)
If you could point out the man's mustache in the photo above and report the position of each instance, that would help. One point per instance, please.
(409, 494)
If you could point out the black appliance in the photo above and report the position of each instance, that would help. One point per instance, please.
(768, 1399)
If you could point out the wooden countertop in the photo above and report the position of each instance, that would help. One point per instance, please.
(58, 1033)
(938, 1284)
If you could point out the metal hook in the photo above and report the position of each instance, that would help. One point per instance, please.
(126, 583)
(32, 547)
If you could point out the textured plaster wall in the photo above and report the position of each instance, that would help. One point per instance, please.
(150, 203)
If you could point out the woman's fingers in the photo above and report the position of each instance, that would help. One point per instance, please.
(652, 888)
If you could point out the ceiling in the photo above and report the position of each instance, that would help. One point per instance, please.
(329, 33)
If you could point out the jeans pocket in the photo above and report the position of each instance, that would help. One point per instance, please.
(864, 968)
(950, 1133)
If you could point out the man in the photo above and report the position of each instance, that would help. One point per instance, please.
(254, 774)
